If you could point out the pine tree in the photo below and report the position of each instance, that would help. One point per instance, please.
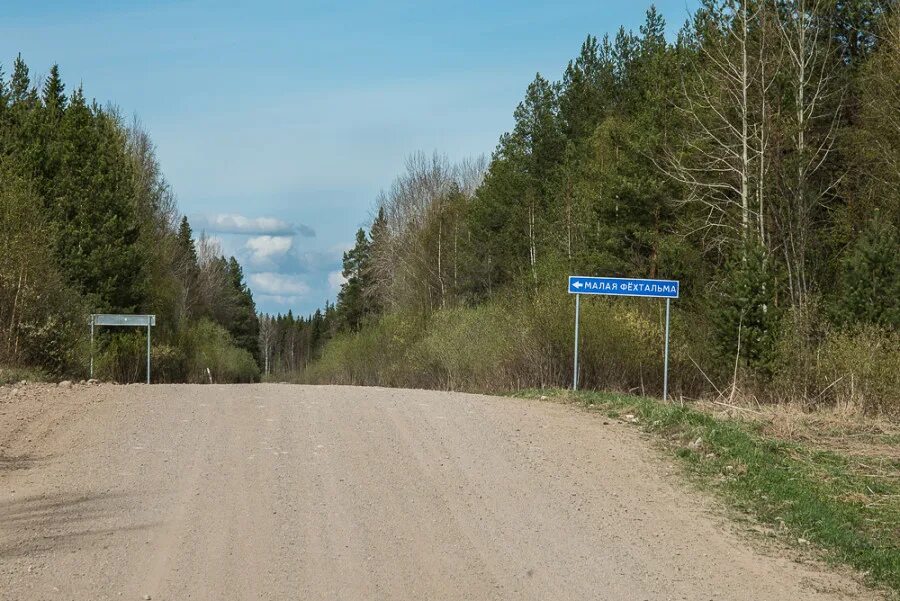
(352, 304)
(20, 85)
(5, 94)
(587, 86)
(90, 204)
(512, 211)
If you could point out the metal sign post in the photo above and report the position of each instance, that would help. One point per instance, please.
(577, 311)
(106, 319)
(667, 289)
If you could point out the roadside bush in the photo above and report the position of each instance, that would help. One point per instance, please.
(522, 343)
(473, 348)
(12, 375)
(378, 355)
(861, 367)
(168, 364)
(208, 346)
(854, 367)
(121, 357)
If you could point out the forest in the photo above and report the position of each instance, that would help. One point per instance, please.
(755, 157)
(88, 224)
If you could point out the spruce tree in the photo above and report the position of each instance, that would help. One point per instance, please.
(243, 324)
(870, 276)
(53, 94)
(744, 312)
(186, 242)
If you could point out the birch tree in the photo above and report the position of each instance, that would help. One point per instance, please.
(721, 162)
(812, 111)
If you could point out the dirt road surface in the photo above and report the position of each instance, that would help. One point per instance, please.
(290, 492)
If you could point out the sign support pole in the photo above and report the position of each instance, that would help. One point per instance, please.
(148, 353)
(575, 370)
(666, 356)
(92, 347)
(590, 285)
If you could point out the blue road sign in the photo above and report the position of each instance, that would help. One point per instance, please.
(623, 286)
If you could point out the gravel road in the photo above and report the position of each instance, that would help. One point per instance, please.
(294, 492)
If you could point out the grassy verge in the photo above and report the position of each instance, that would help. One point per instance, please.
(843, 503)
(12, 375)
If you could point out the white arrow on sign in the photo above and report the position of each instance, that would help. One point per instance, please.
(577, 285)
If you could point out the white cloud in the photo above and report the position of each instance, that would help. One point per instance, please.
(267, 248)
(278, 285)
(275, 299)
(336, 279)
(232, 223)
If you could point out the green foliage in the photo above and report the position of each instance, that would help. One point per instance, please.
(870, 277)
(860, 368)
(498, 346)
(745, 313)
(41, 318)
(122, 357)
(241, 322)
(88, 224)
(352, 302)
(850, 366)
(377, 355)
(14, 375)
(207, 345)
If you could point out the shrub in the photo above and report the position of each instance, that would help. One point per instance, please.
(871, 276)
(121, 357)
(473, 348)
(854, 366)
(208, 346)
(861, 367)
(377, 355)
(520, 343)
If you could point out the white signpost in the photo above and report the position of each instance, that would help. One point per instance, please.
(106, 319)
(667, 289)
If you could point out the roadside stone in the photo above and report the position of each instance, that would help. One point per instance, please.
(65, 384)
(696, 444)
(93, 382)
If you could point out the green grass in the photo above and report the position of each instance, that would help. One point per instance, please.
(842, 505)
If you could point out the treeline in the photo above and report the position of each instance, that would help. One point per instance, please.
(88, 224)
(755, 157)
(289, 344)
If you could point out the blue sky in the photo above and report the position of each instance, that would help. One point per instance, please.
(277, 123)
